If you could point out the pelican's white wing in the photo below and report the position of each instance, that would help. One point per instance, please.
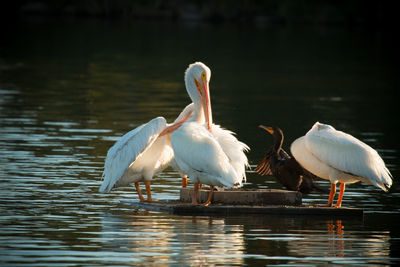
(199, 155)
(233, 148)
(127, 149)
(348, 154)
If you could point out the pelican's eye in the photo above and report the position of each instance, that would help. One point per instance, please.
(203, 76)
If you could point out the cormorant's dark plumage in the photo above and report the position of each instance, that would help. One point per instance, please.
(286, 169)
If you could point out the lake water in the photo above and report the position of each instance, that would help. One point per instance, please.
(69, 89)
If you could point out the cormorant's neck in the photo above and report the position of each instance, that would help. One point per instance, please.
(278, 138)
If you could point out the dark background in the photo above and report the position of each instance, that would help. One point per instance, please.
(365, 13)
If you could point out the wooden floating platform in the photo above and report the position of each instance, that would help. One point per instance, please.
(244, 202)
(245, 197)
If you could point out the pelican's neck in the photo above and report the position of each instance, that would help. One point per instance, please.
(198, 115)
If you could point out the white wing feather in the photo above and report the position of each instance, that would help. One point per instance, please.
(348, 154)
(200, 156)
(233, 148)
(127, 149)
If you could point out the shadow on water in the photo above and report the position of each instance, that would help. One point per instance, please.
(69, 89)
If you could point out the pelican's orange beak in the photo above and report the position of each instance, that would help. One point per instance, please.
(171, 128)
(267, 128)
(175, 126)
(207, 106)
(206, 102)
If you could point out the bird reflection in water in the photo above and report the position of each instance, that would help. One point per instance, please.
(336, 242)
(161, 238)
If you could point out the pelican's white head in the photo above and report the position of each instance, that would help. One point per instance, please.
(197, 79)
(320, 129)
(321, 126)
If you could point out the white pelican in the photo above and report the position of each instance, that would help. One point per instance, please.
(204, 151)
(339, 157)
(141, 154)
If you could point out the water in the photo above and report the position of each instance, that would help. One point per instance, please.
(68, 90)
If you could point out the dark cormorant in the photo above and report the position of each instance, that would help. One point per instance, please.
(285, 168)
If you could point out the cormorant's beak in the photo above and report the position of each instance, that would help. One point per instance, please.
(268, 129)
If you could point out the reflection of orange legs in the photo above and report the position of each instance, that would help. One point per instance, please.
(339, 227)
(184, 181)
(331, 195)
(339, 231)
(210, 195)
(330, 226)
(195, 193)
(336, 243)
(339, 201)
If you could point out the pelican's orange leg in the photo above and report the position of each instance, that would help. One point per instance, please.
(210, 195)
(195, 193)
(331, 195)
(148, 191)
(184, 182)
(137, 185)
(340, 197)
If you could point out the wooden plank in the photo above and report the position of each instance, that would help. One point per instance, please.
(246, 197)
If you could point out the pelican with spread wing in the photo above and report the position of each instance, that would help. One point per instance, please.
(141, 154)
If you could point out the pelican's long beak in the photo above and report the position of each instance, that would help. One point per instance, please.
(176, 124)
(204, 92)
(267, 128)
(171, 128)
(207, 105)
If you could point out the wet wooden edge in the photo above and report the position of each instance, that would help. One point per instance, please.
(179, 208)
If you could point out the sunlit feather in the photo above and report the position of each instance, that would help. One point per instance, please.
(340, 157)
(141, 153)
